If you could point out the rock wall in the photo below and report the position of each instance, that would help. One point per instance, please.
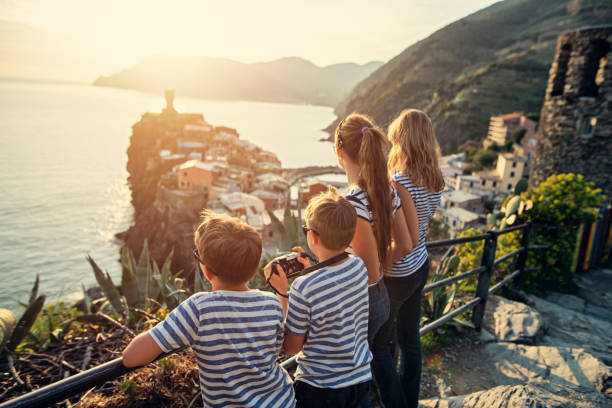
(162, 223)
(575, 130)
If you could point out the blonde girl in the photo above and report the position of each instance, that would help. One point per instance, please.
(361, 151)
(413, 163)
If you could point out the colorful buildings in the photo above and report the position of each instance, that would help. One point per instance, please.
(501, 128)
(194, 175)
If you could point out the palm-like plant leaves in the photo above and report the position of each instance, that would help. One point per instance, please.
(143, 274)
(34, 291)
(25, 323)
(108, 287)
(129, 287)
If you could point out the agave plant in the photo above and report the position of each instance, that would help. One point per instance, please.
(143, 284)
(12, 331)
(439, 301)
(287, 233)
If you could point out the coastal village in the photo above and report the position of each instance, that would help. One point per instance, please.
(206, 166)
(212, 167)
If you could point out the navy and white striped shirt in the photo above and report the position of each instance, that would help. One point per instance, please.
(236, 337)
(426, 204)
(330, 308)
(359, 199)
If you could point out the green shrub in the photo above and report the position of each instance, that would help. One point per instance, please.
(470, 255)
(560, 204)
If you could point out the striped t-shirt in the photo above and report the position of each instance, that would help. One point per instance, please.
(426, 204)
(330, 308)
(236, 337)
(359, 198)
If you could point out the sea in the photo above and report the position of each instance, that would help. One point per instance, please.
(63, 179)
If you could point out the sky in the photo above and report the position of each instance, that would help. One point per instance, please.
(82, 39)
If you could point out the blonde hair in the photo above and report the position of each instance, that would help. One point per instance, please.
(332, 218)
(415, 150)
(367, 146)
(230, 248)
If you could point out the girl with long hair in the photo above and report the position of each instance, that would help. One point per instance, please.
(361, 151)
(413, 163)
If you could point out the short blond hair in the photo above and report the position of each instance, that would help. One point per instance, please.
(229, 247)
(332, 218)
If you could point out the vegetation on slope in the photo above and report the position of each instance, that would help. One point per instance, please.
(491, 62)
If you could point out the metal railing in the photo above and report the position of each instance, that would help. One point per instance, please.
(59, 391)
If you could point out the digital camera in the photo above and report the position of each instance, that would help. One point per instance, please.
(289, 263)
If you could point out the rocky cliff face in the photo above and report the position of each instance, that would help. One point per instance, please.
(154, 219)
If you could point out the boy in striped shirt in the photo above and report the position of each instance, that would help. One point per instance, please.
(327, 312)
(236, 332)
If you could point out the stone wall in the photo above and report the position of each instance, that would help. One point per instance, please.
(575, 131)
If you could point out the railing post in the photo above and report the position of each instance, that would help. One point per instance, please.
(482, 290)
(522, 258)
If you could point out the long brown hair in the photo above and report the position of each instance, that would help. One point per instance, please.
(367, 146)
(415, 150)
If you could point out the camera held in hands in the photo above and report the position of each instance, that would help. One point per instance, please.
(290, 263)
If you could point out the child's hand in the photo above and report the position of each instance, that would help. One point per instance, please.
(277, 278)
(303, 260)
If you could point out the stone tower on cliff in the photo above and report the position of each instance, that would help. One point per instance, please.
(575, 130)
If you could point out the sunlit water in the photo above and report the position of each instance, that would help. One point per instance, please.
(63, 188)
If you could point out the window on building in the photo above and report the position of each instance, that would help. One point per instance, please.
(586, 127)
(511, 174)
(513, 164)
(561, 71)
(454, 223)
(452, 204)
(494, 183)
(509, 186)
(593, 74)
(483, 182)
(471, 184)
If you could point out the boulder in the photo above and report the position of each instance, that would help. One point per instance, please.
(595, 287)
(512, 321)
(532, 395)
(516, 364)
(569, 328)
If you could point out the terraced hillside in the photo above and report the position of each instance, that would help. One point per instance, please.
(493, 61)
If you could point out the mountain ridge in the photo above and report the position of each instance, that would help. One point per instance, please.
(288, 79)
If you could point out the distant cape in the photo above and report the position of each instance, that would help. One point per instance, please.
(286, 80)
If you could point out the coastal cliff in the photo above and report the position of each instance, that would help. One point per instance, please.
(161, 228)
(179, 164)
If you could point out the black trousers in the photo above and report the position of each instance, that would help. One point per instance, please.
(308, 396)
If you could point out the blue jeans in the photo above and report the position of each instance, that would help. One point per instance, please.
(379, 309)
(379, 314)
(405, 296)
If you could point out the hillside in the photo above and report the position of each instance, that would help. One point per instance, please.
(493, 61)
(292, 80)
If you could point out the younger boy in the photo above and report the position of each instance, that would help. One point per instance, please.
(327, 312)
(235, 332)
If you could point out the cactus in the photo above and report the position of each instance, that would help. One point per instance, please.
(513, 207)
